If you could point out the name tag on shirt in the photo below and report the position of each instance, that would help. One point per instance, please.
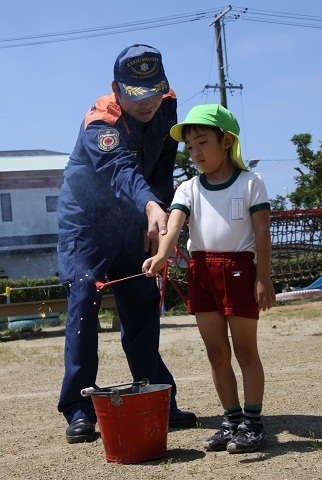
(237, 208)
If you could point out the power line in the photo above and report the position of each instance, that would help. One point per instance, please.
(187, 17)
(106, 30)
(280, 18)
(253, 15)
(300, 16)
(280, 160)
(276, 22)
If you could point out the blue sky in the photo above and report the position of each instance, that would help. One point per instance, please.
(46, 89)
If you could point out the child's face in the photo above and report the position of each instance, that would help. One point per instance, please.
(207, 152)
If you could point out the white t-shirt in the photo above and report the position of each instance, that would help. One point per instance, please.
(220, 215)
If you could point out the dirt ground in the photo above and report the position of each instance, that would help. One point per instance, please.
(32, 440)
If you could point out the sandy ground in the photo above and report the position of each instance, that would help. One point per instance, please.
(32, 440)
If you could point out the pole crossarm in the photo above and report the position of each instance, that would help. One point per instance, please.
(229, 87)
(222, 14)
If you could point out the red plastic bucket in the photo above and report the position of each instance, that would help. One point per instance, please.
(133, 421)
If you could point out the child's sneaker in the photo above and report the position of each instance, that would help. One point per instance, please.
(248, 438)
(218, 442)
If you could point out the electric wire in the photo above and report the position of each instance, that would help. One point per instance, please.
(286, 14)
(211, 57)
(237, 13)
(106, 30)
(281, 23)
(187, 17)
(243, 121)
(225, 49)
(193, 96)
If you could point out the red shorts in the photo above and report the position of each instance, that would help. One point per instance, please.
(224, 282)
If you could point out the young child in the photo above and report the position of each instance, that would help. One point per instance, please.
(228, 211)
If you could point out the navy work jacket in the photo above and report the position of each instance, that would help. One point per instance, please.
(118, 165)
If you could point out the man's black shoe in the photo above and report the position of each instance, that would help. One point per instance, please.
(80, 431)
(180, 419)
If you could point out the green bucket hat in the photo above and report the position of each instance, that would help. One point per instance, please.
(216, 116)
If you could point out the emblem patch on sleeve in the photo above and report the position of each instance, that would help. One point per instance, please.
(108, 139)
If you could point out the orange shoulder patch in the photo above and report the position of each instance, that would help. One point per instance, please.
(170, 94)
(105, 109)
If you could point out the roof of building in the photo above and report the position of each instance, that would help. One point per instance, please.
(27, 160)
(28, 153)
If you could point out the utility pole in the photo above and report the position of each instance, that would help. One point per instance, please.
(220, 59)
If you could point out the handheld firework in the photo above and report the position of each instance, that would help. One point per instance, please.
(101, 285)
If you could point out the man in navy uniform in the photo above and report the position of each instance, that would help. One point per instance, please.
(117, 186)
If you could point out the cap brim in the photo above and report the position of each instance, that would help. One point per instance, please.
(176, 132)
(136, 93)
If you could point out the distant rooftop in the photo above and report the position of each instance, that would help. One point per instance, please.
(32, 160)
(28, 153)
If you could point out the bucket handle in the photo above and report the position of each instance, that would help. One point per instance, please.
(112, 390)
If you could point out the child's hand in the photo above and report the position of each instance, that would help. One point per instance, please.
(264, 294)
(152, 265)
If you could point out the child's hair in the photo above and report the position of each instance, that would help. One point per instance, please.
(188, 128)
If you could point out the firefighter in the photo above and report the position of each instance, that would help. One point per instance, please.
(117, 186)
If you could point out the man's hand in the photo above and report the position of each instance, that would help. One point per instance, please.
(157, 224)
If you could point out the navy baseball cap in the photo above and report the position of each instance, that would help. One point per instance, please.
(139, 72)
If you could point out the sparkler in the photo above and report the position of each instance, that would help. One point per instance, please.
(101, 285)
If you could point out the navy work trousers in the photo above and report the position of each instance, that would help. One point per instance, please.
(81, 262)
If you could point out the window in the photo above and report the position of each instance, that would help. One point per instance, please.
(51, 203)
(6, 211)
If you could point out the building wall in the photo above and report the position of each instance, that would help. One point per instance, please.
(28, 223)
(29, 213)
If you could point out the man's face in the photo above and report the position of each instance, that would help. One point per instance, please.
(142, 110)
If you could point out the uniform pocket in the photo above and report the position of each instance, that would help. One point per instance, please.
(67, 256)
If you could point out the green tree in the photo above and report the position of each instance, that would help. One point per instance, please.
(308, 193)
(279, 203)
(184, 168)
